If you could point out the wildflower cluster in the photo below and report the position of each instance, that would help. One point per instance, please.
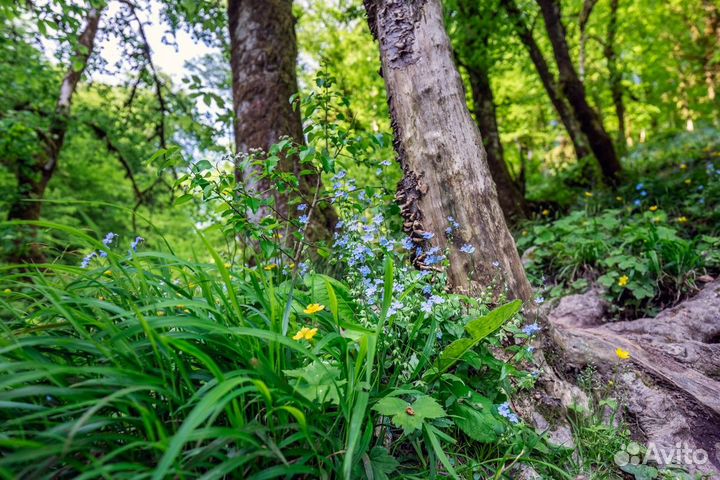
(108, 241)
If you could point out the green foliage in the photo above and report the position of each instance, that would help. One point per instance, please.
(647, 243)
(142, 363)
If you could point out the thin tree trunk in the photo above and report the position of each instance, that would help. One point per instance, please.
(440, 150)
(510, 197)
(33, 176)
(263, 58)
(551, 87)
(616, 88)
(588, 118)
(587, 9)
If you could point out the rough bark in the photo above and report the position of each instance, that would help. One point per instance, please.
(616, 88)
(672, 382)
(34, 175)
(440, 150)
(548, 80)
(510, 196)
(574, 90)
(263, 58)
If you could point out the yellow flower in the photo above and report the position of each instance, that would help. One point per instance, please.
(227, 266)
(186, 310)
(278, 235)
(7, 291)
(688, 181)
(653, 208)
(272, 266)
(161, 313)
(619, 199)
(657, 219)
(588, 194)
(546, 212)
(108, 273)
(622, 354)
(622, 281)
(682, 219)
(292, 265)
(305, 334)
(314, 308)
(683, 166)
(525, 233)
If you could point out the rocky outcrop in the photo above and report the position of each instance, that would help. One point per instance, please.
(671, 383)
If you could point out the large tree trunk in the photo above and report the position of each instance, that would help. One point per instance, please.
(263, 58)
(588, 118)
(440, 150)
(510, 197)
(33, 176)
(616, 88)
(546, 77)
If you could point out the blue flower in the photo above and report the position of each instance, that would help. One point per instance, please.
(339, 176)
(385, 163)
(339, 225)
(643, 193)
(102, 253)
(109, 238)
(86, 261)
(394, 308)
(427, 289)
(408, 244)
(531, 329)
(304, 268)
(427, 235)
(539, 300)
(639, 187)
(302, 207)
(467, 248)
(136, 243)
(504, 411)
(496, 264)
(365, 271)
(304, 219)
(637, 202)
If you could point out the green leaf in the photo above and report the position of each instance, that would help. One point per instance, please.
(478, 330)
(382, 463)
(317, 382)
(480, 425)
(406, 416)
(390, 406)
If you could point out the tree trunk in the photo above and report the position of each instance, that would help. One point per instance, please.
(263, 58)
(510, 197)
(616, 88)
(587, 9)
(551, 87)
(33, 176)
(440, 150)
(588, 118)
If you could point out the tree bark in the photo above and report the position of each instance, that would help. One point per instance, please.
(510, 197)
(263, 58)
(588, 118)
(34, 175)
(546, 77)
(616, 88)
(440, 150)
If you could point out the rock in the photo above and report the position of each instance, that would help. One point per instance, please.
(672, 380)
